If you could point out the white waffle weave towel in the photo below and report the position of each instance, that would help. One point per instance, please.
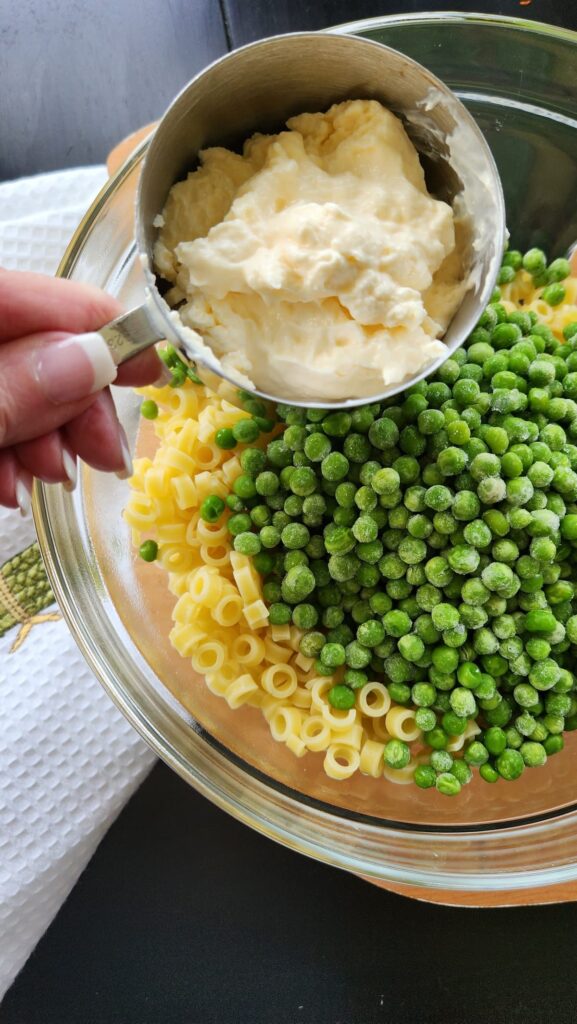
(68, 759)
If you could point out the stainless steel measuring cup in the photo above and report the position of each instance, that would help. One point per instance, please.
(259, 86)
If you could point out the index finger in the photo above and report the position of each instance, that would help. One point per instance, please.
(35, 303)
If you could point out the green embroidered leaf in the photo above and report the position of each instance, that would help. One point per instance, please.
(24, 588)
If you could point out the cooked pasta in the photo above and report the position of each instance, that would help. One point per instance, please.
(285, 722)
(315, 733)
(279, 680)
(341, 762)
(401, 725)
(239, 691)
(522, 294)
(374, 700)
(401, 776)
(371, 760)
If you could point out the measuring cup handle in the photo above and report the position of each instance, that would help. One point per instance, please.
(131, 333)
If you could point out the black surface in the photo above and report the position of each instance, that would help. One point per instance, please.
(185, 916)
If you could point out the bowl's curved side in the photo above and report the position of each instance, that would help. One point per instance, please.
(515, 857)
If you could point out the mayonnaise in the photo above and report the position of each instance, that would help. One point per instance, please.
(316, 264)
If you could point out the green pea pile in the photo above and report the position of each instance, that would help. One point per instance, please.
(430, 541)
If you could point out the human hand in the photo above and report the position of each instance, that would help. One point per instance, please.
(55, 404)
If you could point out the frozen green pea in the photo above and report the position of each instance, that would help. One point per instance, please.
(357, 448)
(333, 655)
(365, 498)
(495, 740)
(544, 674)
(343, 567)
(431, 421)
(294, 558)
(428, 596)
(438, 571)
(511, 465)
(534, 754)
(334, 467)
(488, 773)
(312, 644)
(396, 754)
(491, 490)
(553, 744)
(469, 675)
(365, 529)
(317, 446)
(453, 724)
(554, 294)
(337, 424)
(463, 559)
(542, 549)
(466, 506)
(341, 696)
(477, 534)
(441, 760)
(411, 647)
(425, 776)
(411, 550)
(438, 497)
(472, 616)
(425, 718)
(505, 551)
(355, 679)
(303, 481)
(535, 261)
(510, 764)
(385, 481)
(305, 616)
(371, 632)
(445, 616)
(397, 623)
(463, 702)
(298, 583)
(447, 784)
(497, 576)
(383, 433)
(452, 461)
(476, 754)
(357, 655)
(437, 738)
(294, 536)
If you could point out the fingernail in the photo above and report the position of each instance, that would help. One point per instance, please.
(71, 470)
(24, 492)
(128, 470)
(74, 368)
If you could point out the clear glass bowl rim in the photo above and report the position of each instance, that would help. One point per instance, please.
(425, 858)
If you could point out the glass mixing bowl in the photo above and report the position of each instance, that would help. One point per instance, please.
(519, 79)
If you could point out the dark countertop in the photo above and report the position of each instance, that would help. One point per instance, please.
(185, 916)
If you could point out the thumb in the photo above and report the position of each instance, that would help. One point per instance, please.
(48, 379)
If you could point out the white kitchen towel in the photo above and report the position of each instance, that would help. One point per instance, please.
(68, 759)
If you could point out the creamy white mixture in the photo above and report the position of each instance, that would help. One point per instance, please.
(316, 264)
